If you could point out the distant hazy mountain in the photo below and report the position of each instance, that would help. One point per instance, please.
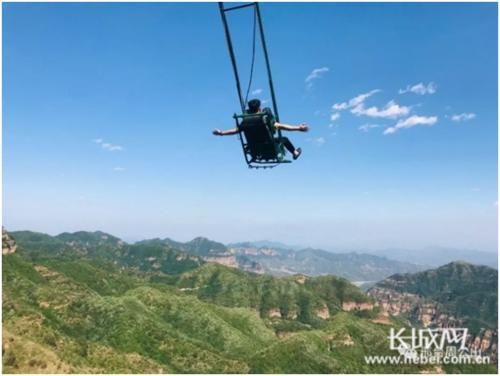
(439, 256)
(352, 266)
(274, 258)
(427, 257)
(263, 244)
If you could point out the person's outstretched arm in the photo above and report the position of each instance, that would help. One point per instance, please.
(298, 128)
(228, 132)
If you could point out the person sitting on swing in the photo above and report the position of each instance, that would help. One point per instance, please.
(254, 108)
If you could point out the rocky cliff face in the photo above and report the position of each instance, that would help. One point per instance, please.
(486, 340)
(354, 306)
(233, 261)
(223, 259)
(416, 308)
(8, 243)
(255, 251)
(427, 311)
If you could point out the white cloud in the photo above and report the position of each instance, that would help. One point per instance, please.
(334, 116)
(390, 111)
(256, 92)
(118, 169)
(420, 88)
(315, 74)
(356, 101)
(367, 127)
(463, 117)
(412, 121)
(107, 146)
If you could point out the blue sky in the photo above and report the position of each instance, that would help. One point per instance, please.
(108, 111)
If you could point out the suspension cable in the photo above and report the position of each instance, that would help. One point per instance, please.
(253, 55)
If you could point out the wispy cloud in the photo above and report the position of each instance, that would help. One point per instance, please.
(366, 127)
(314, 75)
(111, 147)
(420, 88)
(256, 92)
(463, 116)
(353, 102)
(334, 116)
(390, 111)
(107, 146)
(118, 169)
(317, 140)
(412, 121)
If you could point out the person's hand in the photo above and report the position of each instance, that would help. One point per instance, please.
(303, 127)
(217, 132)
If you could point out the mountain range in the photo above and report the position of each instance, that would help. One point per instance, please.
(356, 267)
(91, 303)
(268, 257)
(422, 257)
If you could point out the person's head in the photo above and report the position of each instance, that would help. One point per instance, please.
(253, 106)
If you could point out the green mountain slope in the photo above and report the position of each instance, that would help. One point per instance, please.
(74, 315)
(148, 256)
(292, 296)
(199, 246)
(105, 319)
(90, 239)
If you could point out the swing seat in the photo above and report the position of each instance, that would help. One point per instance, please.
(259, 144)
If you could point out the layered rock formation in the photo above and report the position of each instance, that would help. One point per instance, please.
(429, 300)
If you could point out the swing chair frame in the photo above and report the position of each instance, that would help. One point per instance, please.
(265, 154)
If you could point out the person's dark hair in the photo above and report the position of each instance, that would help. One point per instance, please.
(253, 106)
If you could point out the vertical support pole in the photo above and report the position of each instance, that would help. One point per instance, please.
(268, 66)
(231, 54)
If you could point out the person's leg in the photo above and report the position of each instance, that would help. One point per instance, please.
(289, 146)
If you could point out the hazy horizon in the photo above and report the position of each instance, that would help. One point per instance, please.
(327, 247)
